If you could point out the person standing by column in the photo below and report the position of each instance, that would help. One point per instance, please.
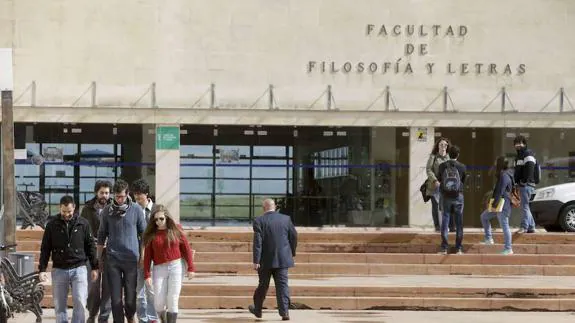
(122, 226)
(274, 246)
(145, 298)
(166, 245)
(438, 156)
(68, 240)
(99, 293)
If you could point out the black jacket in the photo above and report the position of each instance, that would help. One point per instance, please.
(525, 167)
(69, 243)
(275, 241)
(90, 213)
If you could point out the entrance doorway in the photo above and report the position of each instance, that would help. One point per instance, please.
(479, 149)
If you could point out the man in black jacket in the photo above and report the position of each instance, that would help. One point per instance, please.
(524, 176)
(274, 246)
(68, 240)
(99, 293)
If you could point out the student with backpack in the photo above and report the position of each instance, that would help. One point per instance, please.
(503, 190)
(527, 175)
(452, 178)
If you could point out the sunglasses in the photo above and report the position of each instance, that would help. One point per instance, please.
(159, 219)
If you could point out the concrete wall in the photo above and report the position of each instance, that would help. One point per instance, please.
(243, 46)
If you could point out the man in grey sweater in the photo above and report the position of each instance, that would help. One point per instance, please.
(121, 229)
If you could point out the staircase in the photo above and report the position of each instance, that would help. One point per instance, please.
(351, 269)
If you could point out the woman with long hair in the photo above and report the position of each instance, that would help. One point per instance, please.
(166, 245)
(438, 155)
(502, 190)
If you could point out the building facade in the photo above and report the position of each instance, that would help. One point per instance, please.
(331, 107)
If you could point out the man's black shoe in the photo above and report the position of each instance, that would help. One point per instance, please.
(285, 318)
(531, 231)
(252, 310)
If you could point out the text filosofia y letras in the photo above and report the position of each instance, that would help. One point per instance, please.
(404, 66)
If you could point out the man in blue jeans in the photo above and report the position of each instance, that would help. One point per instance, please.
(68, 240)
(524, 176)
(121, 228)
(145, 297)
(452, 178)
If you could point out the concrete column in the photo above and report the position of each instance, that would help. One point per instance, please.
(149, 155)
(168, 168)
(421, 142)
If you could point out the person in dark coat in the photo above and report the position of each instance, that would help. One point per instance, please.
(68, 241)
(274, 247)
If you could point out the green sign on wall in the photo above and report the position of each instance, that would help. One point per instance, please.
(168, 138)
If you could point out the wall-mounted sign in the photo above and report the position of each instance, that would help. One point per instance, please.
(6, 72)
(168, 138)
(421, 134)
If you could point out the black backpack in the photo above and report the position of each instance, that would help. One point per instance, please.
(450, 180)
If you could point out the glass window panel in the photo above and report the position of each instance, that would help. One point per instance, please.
(28, 184)
(195, 206)
(235, 212)
(196, 185)
(196, 161)
(97, 150)
(196, 151)
(232, 153)
(233, 171)
(59, 153)
(26, 170)
(267, 187)
(59, 182)
(202, 170)
(95, 171)
(270, 168)
(270, 151)
(232, 200)
(234, 186)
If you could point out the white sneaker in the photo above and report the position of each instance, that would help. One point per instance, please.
(488, 242)
(507, 252)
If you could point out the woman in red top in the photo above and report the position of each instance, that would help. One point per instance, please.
(166, 245)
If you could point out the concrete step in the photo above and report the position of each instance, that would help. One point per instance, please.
(191, 289)
(379, 269)
(390, 258)
(397, 292)
(375, 303)
(388, 235)
(333, 247)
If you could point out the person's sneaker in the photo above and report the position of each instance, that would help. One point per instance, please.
(459, 252)
(521, 231)
(252, 310)
(488, 242)
(507, 252)
(530, 231)
(443, 252)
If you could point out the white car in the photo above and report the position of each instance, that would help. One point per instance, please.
(553, 207)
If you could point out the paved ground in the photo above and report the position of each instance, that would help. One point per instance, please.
(238, 316)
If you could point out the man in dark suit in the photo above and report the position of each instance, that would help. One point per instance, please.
(275, 242)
